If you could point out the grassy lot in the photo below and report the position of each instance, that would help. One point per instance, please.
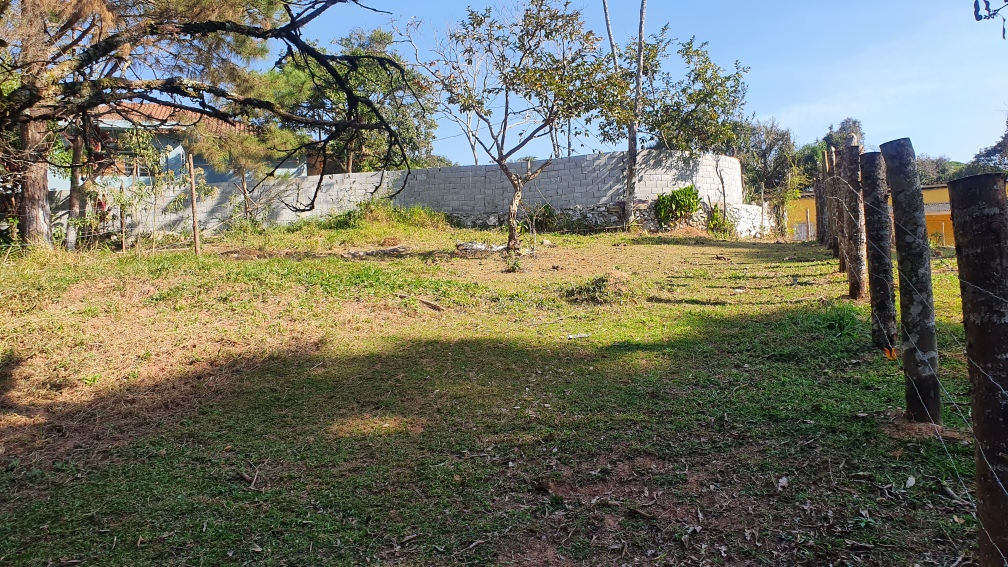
(623, 399)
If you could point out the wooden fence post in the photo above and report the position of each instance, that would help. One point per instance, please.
(878, 230)
(913, 257)
(857, 262)
(980, 225)
(192, 197)
(822, 204)
(839, 226)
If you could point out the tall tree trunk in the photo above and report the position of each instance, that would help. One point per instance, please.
(34, 215)
(570, 143)
(76, 199)
(631, 187)
(513, 243)
(612, 39)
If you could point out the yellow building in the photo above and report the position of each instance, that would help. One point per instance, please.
(936, 210)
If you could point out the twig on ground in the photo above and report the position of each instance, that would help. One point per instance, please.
(430, 304)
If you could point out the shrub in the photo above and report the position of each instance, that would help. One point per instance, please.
(378, 211)
(679, 204)
(544, 218)
(719, 225)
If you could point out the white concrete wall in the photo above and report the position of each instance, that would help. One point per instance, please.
(572, 183)
(581, 181)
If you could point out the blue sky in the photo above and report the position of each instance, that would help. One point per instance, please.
(924, 69)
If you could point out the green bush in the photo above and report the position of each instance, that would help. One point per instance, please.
(679, 204)
(719, 225)
(545, 218)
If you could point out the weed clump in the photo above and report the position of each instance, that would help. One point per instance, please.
(384, 212)
(600, 290)
(719, 225)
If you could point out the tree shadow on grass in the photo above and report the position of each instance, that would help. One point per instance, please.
(482, 450)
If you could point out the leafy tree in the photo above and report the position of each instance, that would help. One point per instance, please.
(250, 154)
(517, 73)
(634, 118)
(774, 170)
(69, 58)
(694, 114)
(993, 158)
(404, 97)
(939, 169)
(838, 138)
(808, 159)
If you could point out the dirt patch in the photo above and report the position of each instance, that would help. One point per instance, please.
(905, 430)
(646, 511)
(689, 232)
(367, 425)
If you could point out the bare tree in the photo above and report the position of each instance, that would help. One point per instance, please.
(517, 74)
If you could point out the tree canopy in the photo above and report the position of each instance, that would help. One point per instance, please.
(64, 59)
(403, 96)
(693, 113)
(509, 75)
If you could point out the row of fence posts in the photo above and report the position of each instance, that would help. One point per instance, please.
(852, 210)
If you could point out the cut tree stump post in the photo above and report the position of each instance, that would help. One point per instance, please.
(913, 258)
(980, 225)
(878, 230)
(822, 205)
(857, 262)
(192, 197)
(839, 227)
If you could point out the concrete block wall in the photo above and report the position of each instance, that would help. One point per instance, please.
(591, 182)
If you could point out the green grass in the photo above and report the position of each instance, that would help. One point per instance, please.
(272, 403)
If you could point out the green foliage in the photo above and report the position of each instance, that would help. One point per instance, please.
(935, 170)
(692, 114)
(544, 218)
(719, 225)
(378, 211)
(512, 263)
(838, 137)
(988, 160)
(774, 171)
(677, 205)
(404, 97)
